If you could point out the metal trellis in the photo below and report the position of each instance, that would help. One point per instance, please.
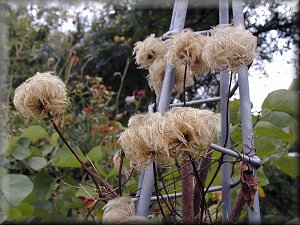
(146, 182)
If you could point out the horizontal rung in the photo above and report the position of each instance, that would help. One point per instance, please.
(179, 194)
(254, 160)
(196, 102)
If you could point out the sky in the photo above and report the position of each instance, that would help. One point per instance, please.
(280, 73)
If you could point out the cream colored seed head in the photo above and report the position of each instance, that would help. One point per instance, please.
(229, 46)
(117, 210)
(157, 73)
(122, 211)
(148, 50)
(41, 95)
(155, 137)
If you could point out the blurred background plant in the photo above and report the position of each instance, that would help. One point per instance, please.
(89, 46)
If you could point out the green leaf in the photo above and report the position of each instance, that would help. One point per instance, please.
(20, 152)
(54, 139)
(289, 165)
(46, 149)
(64, 158)
(34, 133)
(26, 209)
(13, 213)
(236, 133)
(3, 145)
(36, 163)
(281, 119)
(264, 128)
(42, 208)
(293, 221)
(35, 151)
(68, 180)
(12, 142)
(42, 184)
(24, 142)
(235, 111)
(281, 100)
(262, 178)
(295, 84)
(264, 147)
(15, 187)
(96, 153)
(87, 192)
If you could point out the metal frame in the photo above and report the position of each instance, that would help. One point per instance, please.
(245, 109)
(177, 24)
(146, 182)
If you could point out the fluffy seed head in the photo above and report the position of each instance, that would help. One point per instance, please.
(157, 73)
(191, 126)
(181, 51)
(148, 50)
(229, 46)
(41, 95)
(121, 211)
(155, 137)
(117, 210)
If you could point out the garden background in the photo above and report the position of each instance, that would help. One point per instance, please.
(89, 46)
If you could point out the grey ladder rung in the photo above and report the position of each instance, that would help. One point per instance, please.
(201, 101)
(254, 159)
(179, 194)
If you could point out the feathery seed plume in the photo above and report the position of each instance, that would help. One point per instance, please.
(41, 95)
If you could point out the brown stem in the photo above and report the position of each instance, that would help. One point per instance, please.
(187, 190)
(236, 209)
(156, 190)
(122, 154)
(173, 210)
(75, 154)
(203, 171)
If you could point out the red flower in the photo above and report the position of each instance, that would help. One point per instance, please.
(87, 202)
(74, 59)
(87, 109)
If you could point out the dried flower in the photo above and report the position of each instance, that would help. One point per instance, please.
(116, 210)
(229, 46)
(182, 51)
(157, 73)
(148, 50)
(121, 211)
(191, 126)
(199, 67)
(41, 95)
(155, 137)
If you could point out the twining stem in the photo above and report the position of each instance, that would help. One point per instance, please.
(184, 81)
(200, 176)
(236, 209)
(156, 190)
(187, 190)
(121, 85)
(75, 154)
(122, 154)
(173, 210)
(89, 212)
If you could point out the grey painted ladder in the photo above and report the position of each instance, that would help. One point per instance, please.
(146, 182)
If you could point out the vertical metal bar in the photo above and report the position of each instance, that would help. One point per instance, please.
(245, 108)
(143, 204)
(179, 15)
(166, 91)
(177, 23)
(141, 179)
(225, 122)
